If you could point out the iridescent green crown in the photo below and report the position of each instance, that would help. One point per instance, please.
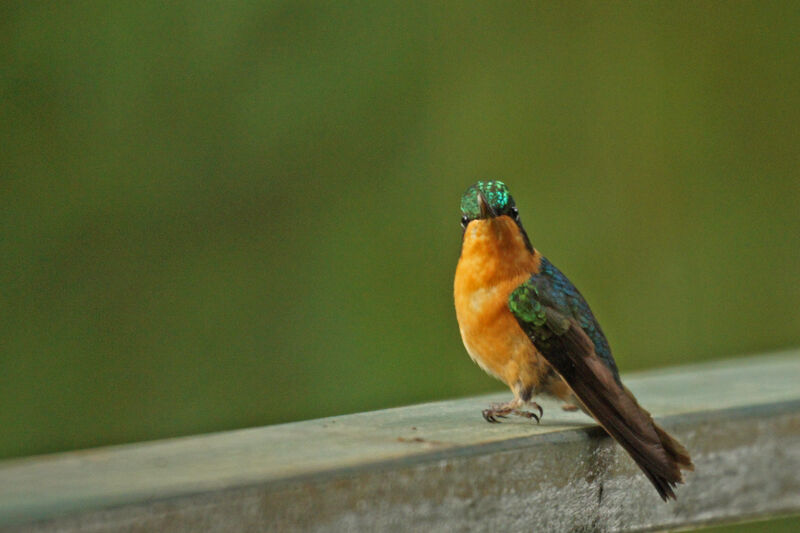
(496, 195)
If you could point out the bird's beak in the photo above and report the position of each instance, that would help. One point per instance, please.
(486, 209)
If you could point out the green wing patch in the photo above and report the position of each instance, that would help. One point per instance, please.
(534, 313)
(524, 302)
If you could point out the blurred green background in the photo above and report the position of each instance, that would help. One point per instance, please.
(227, 215)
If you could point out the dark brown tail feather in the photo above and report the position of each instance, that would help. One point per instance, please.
(676, 455)
(674, 449)
(657, 454)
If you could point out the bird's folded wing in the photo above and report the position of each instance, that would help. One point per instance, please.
(570, 351)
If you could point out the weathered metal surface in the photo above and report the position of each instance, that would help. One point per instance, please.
(439, 466)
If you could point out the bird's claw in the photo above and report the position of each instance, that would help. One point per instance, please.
(489, 416)
(492, 414)
(526, 414)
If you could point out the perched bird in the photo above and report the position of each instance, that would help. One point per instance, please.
(523, 322)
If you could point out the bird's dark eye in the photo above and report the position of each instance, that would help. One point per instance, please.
(514, 213)
(464, 221)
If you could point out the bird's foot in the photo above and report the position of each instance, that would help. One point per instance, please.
(526, 414)
(502, 410)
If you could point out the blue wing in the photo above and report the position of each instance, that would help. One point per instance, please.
(560, 324)
(557, 292)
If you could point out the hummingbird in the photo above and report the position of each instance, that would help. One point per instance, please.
(526, 324)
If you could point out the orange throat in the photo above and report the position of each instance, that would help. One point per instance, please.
(494, 261)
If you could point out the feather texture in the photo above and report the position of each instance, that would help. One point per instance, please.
(559, 323)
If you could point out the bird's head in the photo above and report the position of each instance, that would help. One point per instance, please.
(487, 199)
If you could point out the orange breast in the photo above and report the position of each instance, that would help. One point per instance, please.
(494, 261)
